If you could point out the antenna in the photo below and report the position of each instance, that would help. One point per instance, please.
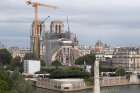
(68, 24)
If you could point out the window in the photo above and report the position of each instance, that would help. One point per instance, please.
(66, 87)
(59, 28)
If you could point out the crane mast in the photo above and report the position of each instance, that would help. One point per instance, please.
(36, 28)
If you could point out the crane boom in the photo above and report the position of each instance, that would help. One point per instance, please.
(47, 5)
(42, 22)
(34, 4)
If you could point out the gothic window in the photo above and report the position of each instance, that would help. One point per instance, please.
(56, 28)
(59, 28)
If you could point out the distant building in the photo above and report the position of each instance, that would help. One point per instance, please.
(84, 50)
(15, 51)
(127, 57)
(103, 51)
(60, 45)
(99, 47)
(108, 52)
(31, 66)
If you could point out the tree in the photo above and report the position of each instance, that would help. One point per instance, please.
(80, 60)
(5, 57)
(120, 71)
(13, 82)
(88, 59)
(16, 61)
(29, 56)
(3, 85)
(43, 64)
(16, 64)
(69, 72)
(57, 73)
(5, 81)
(19, 84)
(56, 63)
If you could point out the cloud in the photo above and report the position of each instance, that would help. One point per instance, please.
(109, 20)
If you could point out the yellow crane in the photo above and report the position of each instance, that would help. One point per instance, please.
(37, 28)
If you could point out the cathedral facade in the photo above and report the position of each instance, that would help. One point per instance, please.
(60, 45)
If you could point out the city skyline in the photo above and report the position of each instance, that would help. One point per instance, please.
(113, 22)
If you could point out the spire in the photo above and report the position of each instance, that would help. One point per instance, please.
(68, 24)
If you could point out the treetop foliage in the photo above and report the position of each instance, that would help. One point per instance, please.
(5, 57)
(87, 59)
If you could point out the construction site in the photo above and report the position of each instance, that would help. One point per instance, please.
(55, 44)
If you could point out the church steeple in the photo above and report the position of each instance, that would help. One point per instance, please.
(57, 27)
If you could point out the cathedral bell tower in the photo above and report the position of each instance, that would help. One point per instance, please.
(57, 27)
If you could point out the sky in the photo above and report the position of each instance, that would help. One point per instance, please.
(115, 22)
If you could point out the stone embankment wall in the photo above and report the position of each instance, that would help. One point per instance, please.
(104, 82)
(115, 81)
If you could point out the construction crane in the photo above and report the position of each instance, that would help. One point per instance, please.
(42, 43)
(42, 22)
(36, 31)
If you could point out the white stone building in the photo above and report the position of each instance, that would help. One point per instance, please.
(61, 84)
(31, 66)
(84, 50)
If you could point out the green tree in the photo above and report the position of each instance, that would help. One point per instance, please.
(13, 82)
(56, 63)
(5, 80)
(80, 60)
(20, 85)
(88, 59)
(120, 71)
(30, 56)
(16, 61)
(16, 64)
(3, 85)
(57, 73)
(69, 72)
(5, 57)
(43, 64)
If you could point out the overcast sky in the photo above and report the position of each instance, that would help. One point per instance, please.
(116, 22)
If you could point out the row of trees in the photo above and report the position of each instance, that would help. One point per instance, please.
(69, 72)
